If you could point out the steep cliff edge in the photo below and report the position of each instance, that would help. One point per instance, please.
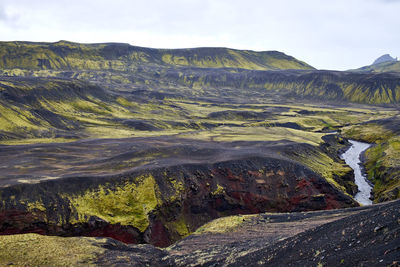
(357, 237)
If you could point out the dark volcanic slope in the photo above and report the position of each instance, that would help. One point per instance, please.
(370, 238)
(367, 236)
(153, 190)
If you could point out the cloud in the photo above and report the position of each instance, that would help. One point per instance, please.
(3, 15)
(339, 34)
(386, 1)
(7, 18)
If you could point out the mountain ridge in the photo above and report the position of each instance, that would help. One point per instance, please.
(194, 70)
(122, 56)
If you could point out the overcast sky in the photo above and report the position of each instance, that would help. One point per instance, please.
(328, 34)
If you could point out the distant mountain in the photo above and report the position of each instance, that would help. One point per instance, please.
(384, 63)
(194, 71)
(64, 55)
(383, 59)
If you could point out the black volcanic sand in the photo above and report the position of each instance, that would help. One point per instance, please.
(365, 236)
(108, 157)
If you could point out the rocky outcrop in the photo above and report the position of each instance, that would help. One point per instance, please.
(383, 59)
(384, 63)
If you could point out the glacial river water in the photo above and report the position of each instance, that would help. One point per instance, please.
(352, 158)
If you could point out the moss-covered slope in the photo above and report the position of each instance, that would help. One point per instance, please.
(381, 88)
(118, 56)
(55, 108)
(37, 250)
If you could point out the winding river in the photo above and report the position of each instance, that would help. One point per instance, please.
(352, 158)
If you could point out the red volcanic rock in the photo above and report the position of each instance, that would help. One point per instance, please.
(121, 233)
(158, 235)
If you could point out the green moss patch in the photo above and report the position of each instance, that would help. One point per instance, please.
(38, 250)
(224, 224)
(382, 164)
(231, 134)
(126, 204)
(370, 133)
(179, 226)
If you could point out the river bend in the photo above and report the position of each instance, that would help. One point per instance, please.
(352, 158)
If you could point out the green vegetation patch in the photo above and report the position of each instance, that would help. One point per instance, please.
(370, 133)
(179, 226)
(38, 250)
(231, 134)
(36, 141)
(382, 164)
(218, 191)
(224, 224)
(15, 119)
(126, 204)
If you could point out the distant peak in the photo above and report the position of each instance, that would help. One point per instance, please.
(384, 58)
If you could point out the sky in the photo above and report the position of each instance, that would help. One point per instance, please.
(327, 34)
